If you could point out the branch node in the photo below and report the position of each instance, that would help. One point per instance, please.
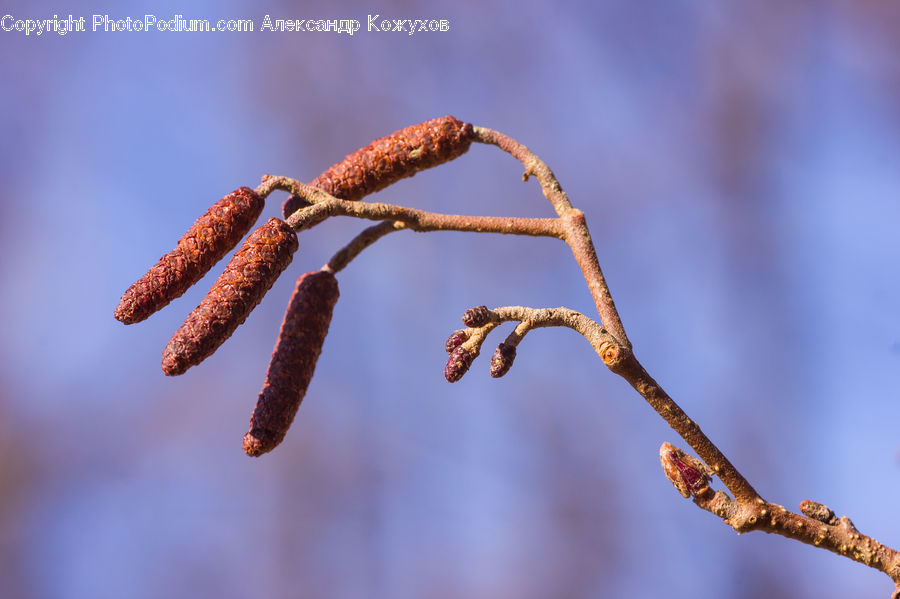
(845, 523)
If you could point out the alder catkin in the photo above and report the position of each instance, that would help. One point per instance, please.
(385, 161)
(303, 332)
(249, 275)
(458, 364)
(456, 339)
(211, 237)
(502, 360)
(476, 317)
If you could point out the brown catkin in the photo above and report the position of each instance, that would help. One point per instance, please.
(458, 364)
(456, 339)
(249, 275)
(385, 161)
(211, 237)
(293, 362)
(502, 360)
(476, 317)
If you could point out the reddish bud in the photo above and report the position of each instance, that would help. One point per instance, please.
(458, 364)
(476, 317)
(249, 275)
(211, 237)
(385, 161)
(688, 474)
(303, 332)
(502, 360)
(456, 339)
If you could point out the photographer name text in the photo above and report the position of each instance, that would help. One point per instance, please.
(178, 23)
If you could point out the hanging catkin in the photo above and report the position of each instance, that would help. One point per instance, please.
(293, 362)
(211, 237)
(249, 275)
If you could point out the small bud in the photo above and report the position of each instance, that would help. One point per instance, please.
(458, 364)
(303, 332)
(817, 511)
(241, 286)
(455, 340)
(502, 360)
(389, 159)
(211, 237)
(292, 205)
(476, 317)
(689, 475)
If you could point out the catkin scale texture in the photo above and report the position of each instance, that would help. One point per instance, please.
(385, 161)
(249, 275)
(502, 360)
(458, 364)
(212, 236)
(293, 363)
(476, 317)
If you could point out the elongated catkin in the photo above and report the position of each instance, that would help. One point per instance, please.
(211, 237)
(249, 275)
(303, 332)
(385, 161)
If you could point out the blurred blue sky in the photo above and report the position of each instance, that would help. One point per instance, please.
(737, 163)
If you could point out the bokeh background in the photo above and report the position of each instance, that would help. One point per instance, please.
(737, 162)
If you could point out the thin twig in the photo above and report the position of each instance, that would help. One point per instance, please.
(577, 234)
(536, 318)
(366, 238)
(534, 166)
(626, 365)
(323, 205)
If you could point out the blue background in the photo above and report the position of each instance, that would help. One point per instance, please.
(737, 163)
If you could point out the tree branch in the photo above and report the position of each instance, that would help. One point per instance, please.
(819, 527)
(366, 238)
(577, 234)
(323, 205)
(426, 145)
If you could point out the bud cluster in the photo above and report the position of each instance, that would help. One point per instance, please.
(480, 321)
